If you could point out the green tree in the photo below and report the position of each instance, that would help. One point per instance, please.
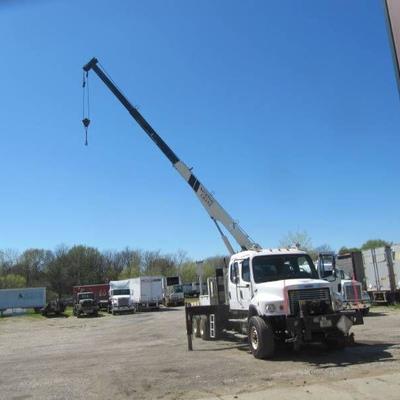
(130, 261)
(346, 250)
(374, 243)
(299, 238)
(11, 281)
(32, 264)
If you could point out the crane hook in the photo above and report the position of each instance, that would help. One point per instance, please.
(86, 122)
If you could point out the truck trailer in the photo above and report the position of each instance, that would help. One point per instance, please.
(23, 298)
(382, 273)
(146, 291)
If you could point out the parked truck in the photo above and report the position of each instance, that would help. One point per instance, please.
(350, 290)
(352, 265)
(22, 298)
(382, 273)
(85, 304)
(269, 294)
(173, 291)
(120, 297)
(100, 292)
(147, 291)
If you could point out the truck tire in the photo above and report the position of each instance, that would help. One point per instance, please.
(204, 327)
(196, 326)
(261, 338)
(365, 311)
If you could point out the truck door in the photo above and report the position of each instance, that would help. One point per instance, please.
(239, 285)
(234, 277)
(244, 287)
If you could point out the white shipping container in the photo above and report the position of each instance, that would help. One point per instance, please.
(147, 289)
(22, 298)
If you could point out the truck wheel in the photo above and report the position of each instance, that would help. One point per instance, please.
(261, 338)
(196, 326)
(204, 327)
(365, 311)
(113, 312)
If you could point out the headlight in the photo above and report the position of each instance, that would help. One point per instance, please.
(270, 308)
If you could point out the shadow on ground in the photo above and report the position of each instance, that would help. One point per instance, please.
(319, 355)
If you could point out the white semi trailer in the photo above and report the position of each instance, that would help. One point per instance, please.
(22, 298)
(146, 291)
(269, 294)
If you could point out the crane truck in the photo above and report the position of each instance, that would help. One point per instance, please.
(268, 294)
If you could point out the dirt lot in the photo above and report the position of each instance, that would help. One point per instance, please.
(144, 356)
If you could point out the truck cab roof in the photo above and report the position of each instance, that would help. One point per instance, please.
(265, 252)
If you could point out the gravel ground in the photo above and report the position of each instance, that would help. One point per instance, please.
(144, 356)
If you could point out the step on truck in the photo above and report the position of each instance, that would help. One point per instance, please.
(270, 295)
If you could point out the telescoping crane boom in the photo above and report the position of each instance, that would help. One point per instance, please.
(213, 208)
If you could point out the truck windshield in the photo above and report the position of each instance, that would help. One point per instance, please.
(178, 288)
(285, 266)
(121, 292)
(83, 296)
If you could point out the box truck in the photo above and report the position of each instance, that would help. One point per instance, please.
(146, 291)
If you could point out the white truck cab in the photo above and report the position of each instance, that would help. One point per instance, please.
(262, 282)
(120, 297)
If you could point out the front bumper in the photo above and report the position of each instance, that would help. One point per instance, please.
(355, 305)
(309, 328)
(122, 308)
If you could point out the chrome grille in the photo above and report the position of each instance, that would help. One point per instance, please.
(352, 292)
(321, 294)
(123, 301)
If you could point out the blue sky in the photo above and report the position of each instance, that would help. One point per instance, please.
(288, 111)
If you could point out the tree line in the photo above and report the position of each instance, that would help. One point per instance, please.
(65, 267)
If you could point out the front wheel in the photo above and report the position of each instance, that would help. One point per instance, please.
(261, 338)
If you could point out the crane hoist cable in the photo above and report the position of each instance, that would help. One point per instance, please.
(85, 104)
